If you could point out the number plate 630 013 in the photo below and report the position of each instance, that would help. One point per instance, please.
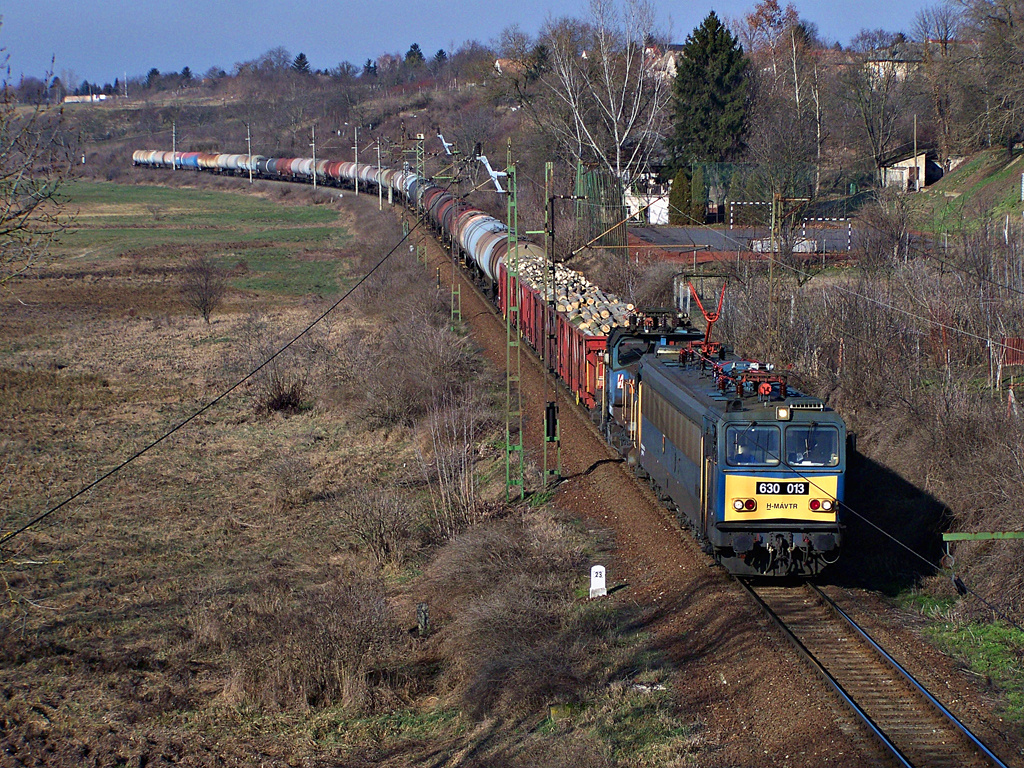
(782, 488)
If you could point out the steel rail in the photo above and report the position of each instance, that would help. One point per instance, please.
(910, 678)
(828, 677)
(565, 395)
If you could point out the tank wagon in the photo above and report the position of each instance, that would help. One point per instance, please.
(754, 467)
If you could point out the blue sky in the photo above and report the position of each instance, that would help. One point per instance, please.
(103, 39)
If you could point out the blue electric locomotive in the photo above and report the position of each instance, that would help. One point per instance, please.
(753, 466)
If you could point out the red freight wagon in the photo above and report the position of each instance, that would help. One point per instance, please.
(578, 358)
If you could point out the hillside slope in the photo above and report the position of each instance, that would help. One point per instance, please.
(984, 188)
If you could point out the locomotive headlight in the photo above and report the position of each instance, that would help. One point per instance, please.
(826, 505)
(737, 504)
(782, 413)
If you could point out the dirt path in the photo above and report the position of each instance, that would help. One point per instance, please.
(757, 703)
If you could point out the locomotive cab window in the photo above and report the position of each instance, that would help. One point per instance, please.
(752, 445)
(812, 445)
(630, 350)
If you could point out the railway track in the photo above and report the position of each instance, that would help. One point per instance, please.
(897, 710)
(912, 726)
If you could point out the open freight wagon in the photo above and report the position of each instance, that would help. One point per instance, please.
(577, 357)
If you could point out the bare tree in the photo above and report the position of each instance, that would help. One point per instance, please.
(875, 84)
(599, 90)
(203, 287)
(764, 33)
(455, 427)
(937, 28)
(996, 31)
(378, 519)
(885, 225)
(35, 161)
(786, 134)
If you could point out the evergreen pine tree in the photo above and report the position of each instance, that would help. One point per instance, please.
(710, 95)
(301, 65)
(698, 197)
(414, 56)
(679, 199)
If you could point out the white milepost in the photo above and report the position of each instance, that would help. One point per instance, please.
(597, 583)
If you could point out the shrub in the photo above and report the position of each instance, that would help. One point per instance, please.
(316, 647)
(455, 427)
(502, 595)
(404, 370)
(282, 385)
(378, 519)
(698, 197)
(203, 286)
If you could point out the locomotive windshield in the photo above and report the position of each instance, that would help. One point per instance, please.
(752, 445)
(631, 349)
(812, 445)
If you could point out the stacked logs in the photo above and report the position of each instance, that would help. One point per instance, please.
(587, 307)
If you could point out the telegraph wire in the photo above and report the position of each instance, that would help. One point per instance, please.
(111, 472)
(961, 587)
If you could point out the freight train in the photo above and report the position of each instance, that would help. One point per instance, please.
(755, 468)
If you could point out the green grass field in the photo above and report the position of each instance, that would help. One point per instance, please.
(115, 221)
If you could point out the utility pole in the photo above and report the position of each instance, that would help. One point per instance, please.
(514, 475)
(421, 173)
(452, 174)
(380, 188)
(314, 156)
(355, 146)
(917, 171)
(772, 256)
(248, 148)
(548, 334)
(552, 431)
(552, 426)
(174, 145)
(778, 215)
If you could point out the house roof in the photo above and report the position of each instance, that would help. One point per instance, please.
(929, 153)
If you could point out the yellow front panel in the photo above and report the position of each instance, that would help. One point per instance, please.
(780, 505)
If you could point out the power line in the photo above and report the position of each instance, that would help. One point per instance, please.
(958, 582)
(811, 483)
(961, 586)
(39, 518)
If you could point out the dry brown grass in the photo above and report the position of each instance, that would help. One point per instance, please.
(294, 646)
(510, 631)
(149, 613)
(246, 592)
